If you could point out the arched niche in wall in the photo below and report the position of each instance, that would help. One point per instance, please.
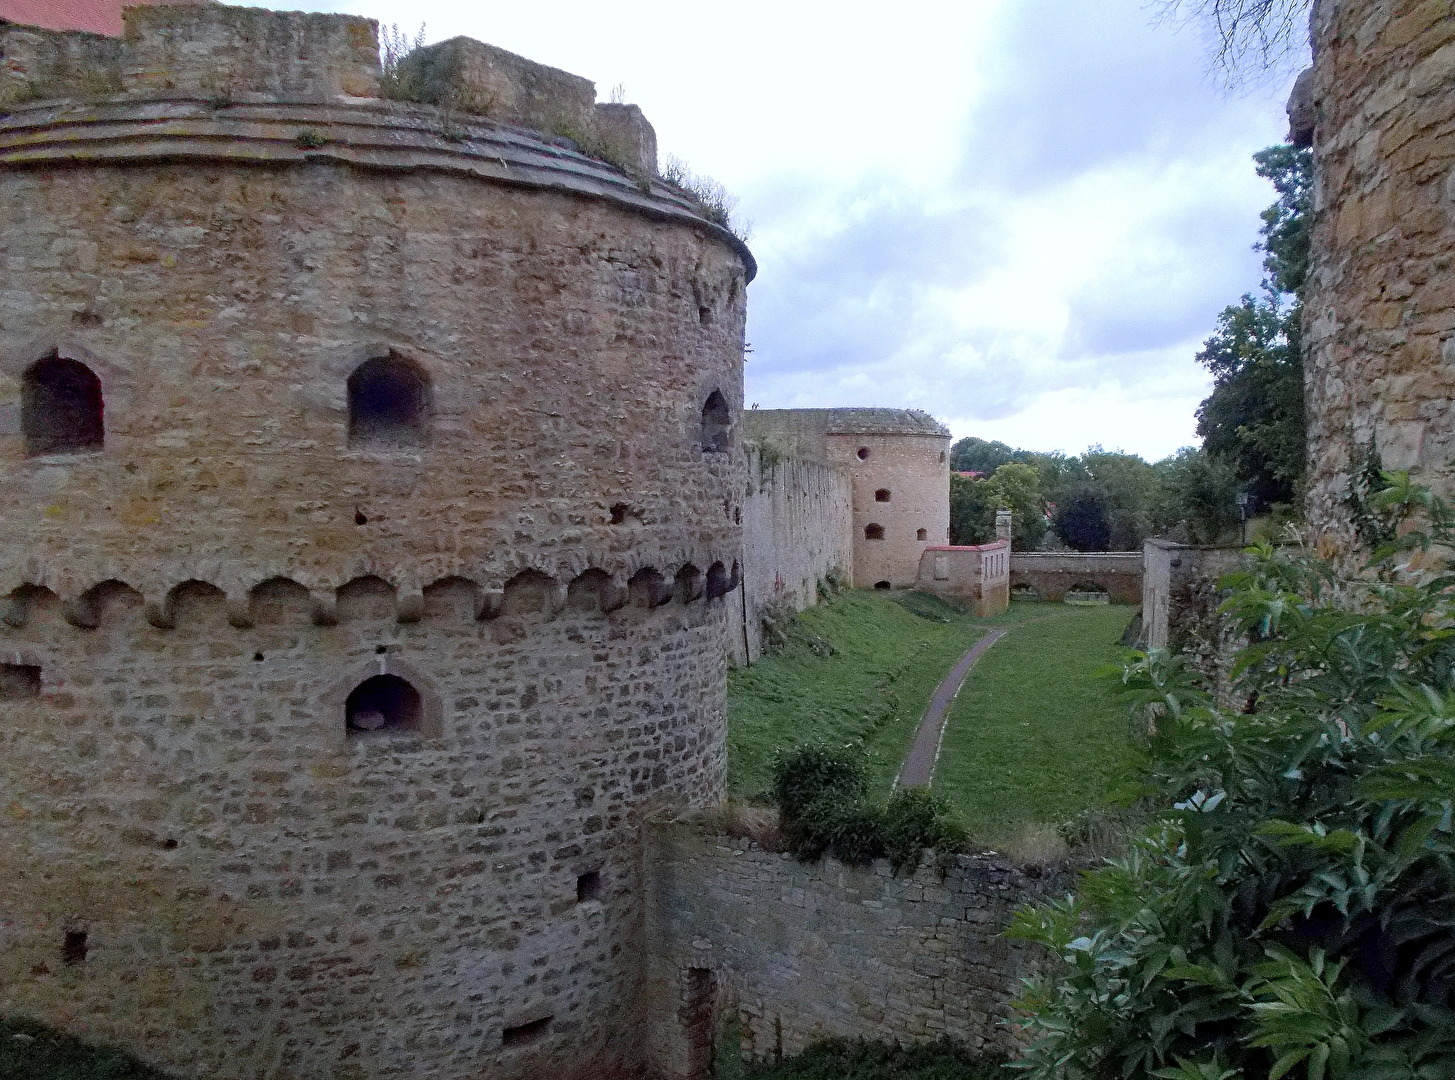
(717, 424)
(68, 396)
(389, 403)
(387, 698)
(62, 408)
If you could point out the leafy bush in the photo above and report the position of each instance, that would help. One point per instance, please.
(1290, 910)
(821, 796)
(32, 1051)
(915, 819)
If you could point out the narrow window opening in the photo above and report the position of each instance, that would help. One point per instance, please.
(863, 453)
(588, 886)
(19, 681)
(383, 703)
(698, 1014)
(525, 1034)
(883, 585)
(388, 403)
(360, 518)
(873, 532)
(74, 948)
(942, 457)
(704, 315)
(61, 408)
(882, 495)
(921, 534)
(618, 513)
(717, 424)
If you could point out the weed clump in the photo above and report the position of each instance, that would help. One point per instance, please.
(716, 203)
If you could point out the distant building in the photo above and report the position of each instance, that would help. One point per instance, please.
(898, 463)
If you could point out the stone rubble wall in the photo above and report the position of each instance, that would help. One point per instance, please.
(228, 55)
(204, 862)
(805, 952)
(1052, 574)
(1380, 305)
(797, 517)
(978, 573)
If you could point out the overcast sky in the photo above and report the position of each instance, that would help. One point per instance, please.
(1020, 215)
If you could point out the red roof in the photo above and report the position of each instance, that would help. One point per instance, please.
(96, 16)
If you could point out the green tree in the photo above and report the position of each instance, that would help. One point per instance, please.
(1083, 519)
(1130, 488)
(981, 455)
(1254, 418)
(1199, 497)
(1290, 909)
(974, 501)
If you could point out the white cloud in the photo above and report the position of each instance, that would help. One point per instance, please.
(1021, 215)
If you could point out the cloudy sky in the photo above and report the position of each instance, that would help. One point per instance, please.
(1020, 215)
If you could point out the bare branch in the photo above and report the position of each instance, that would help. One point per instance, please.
(1252, 39)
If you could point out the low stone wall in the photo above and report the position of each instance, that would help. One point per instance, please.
(806, 952)
(1053, 574)
(977, 573)
(797, 517)
(1179, 594)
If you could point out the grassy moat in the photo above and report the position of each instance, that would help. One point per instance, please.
(1032, 739)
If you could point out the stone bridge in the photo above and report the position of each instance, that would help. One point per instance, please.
(1053, 575)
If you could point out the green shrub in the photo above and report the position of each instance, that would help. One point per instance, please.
(806, 773)
(821, 796)
(32, 1051)
(915, 819)
(1290, 910)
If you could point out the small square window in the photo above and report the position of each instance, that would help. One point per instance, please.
(588, 886)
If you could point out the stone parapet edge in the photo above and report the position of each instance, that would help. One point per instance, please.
(365, 134)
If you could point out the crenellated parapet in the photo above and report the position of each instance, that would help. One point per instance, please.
(528, 592)
(228, 56)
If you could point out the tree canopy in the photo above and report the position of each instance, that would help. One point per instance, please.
(1254, 418)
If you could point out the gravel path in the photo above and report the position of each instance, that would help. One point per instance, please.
(919, 764)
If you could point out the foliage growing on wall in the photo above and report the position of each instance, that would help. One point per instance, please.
(1291, 908)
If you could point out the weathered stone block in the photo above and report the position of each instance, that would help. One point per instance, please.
(216, 51)
(477, 78)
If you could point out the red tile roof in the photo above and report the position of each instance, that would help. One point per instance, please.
(96, 16)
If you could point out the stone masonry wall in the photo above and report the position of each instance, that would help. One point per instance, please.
(532, 524)
(1052, 574)
(979, 573)
(797, 517)
(805, 952)
(266, 894)
(1380, 306)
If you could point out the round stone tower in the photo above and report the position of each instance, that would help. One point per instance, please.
(1379, 107)
(370, 489)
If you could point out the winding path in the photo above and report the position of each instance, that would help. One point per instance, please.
(919, 763)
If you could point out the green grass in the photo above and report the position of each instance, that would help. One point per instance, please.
(838, 1059)
(31, 1051)
(886, 662)
(1033, 737)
